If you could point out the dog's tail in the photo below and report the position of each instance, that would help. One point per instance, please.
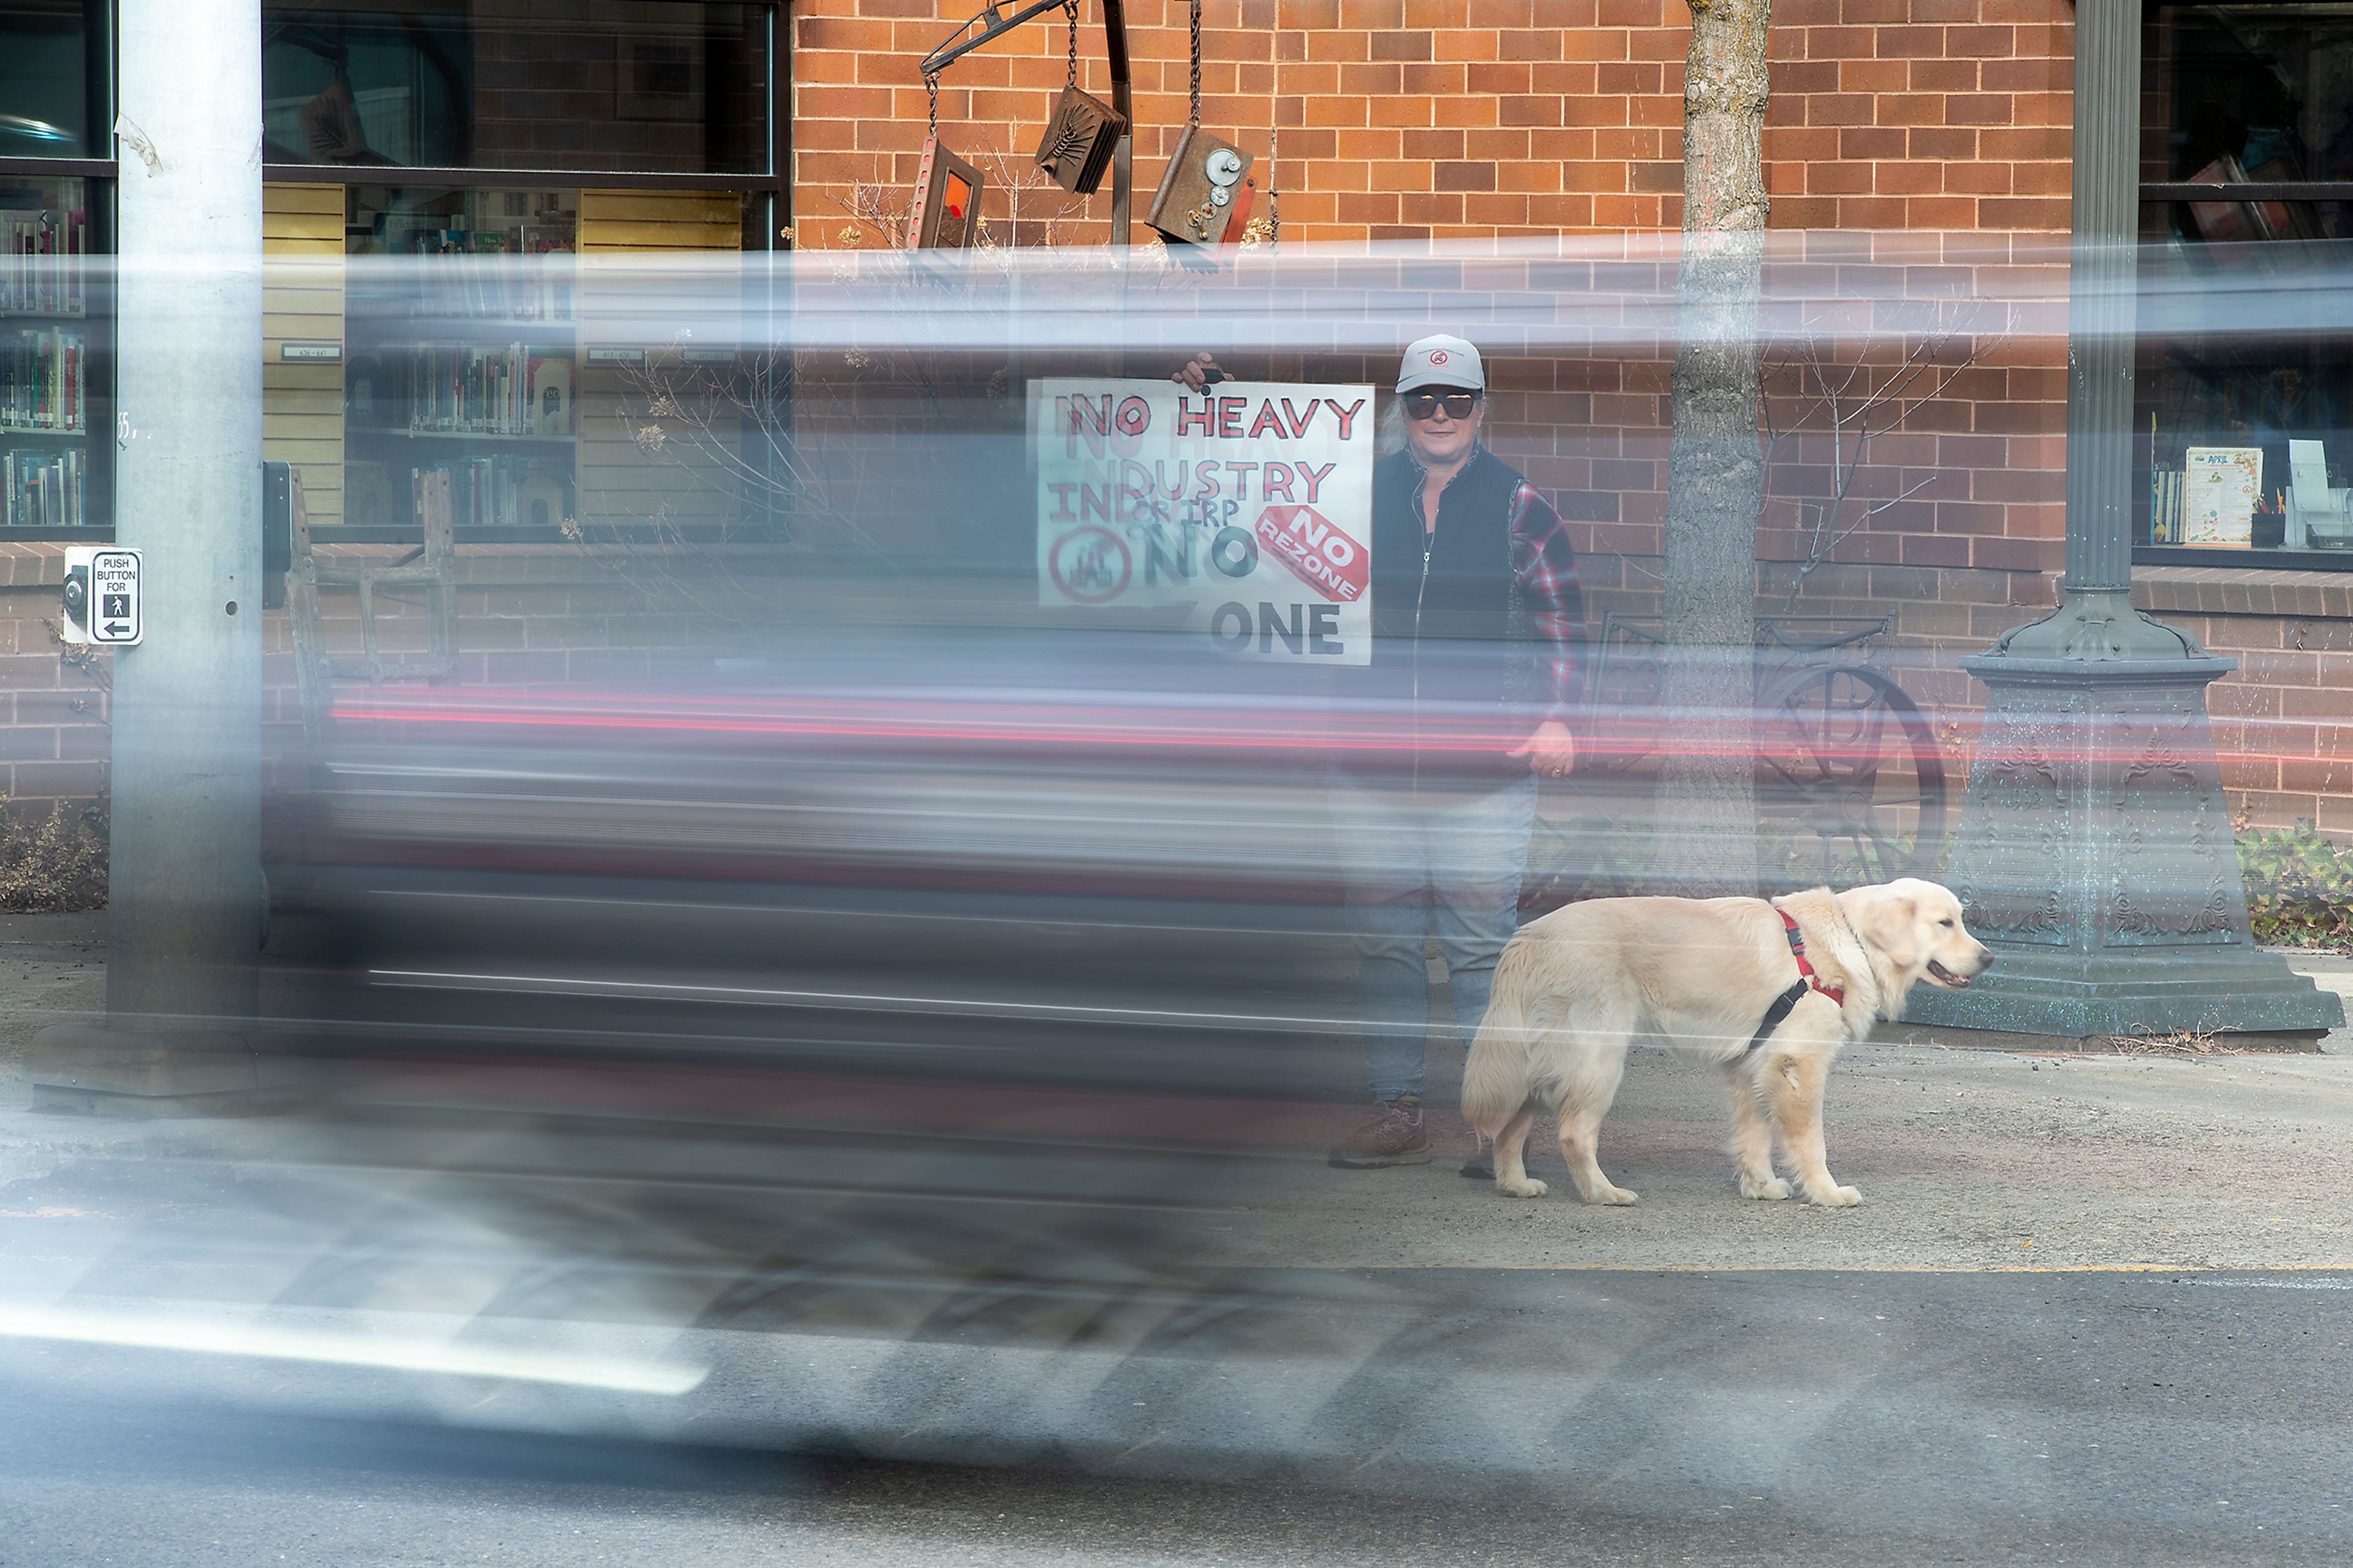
(1495, 1074)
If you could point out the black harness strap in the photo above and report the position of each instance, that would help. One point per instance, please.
(1776, 1012)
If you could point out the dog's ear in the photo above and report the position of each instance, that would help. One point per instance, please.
(1891, 923)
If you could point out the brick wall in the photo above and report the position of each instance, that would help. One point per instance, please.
(1401, 119)
(1410, 119)
(2284, 719)
(53, 743)
(1921, 114)
(527, 615)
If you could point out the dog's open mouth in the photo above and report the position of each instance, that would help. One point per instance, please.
(1943, 977)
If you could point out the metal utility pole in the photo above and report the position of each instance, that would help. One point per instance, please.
(185, 910)
(2094, 853)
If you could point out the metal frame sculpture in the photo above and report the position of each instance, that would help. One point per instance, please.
(993, 22)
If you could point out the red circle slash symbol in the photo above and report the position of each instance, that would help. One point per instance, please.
(1090, 565)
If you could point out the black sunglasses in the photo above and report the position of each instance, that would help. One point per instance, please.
(1422, 405)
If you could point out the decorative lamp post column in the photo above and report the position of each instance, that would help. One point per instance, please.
(2094, 852)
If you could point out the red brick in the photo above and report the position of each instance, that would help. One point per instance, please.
(1839, 108)
(1951, 144)
(1942, 76)
(1464, 177)
(1980, 109)
(1873, 77)
(1911, 109)
(2014, 213)
(1949, 213)
(1908, 178)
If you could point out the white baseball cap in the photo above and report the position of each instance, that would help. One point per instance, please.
(1441, 361)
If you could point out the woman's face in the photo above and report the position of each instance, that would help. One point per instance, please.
(1441, 439)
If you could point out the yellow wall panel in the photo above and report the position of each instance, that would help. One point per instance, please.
(302, 300)
(619, 480)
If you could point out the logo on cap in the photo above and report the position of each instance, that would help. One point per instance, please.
(1438, 357)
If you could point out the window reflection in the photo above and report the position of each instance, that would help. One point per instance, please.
(648, 85)
(43, 80)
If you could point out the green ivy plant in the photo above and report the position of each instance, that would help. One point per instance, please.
(2299, 889)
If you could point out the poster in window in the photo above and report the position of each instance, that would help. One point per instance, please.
(2220, 485)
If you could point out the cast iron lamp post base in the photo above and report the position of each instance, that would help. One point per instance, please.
(2095, 853)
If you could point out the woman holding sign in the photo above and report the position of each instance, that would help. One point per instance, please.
(1478, 653)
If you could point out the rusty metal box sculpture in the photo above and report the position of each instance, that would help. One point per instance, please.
(1204, 196)
(1079, 141)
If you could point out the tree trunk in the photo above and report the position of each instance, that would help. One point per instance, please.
(1706, 834)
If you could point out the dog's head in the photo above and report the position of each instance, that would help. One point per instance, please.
(1915, 927)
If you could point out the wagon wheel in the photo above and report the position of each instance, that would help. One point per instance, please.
(1850, 782)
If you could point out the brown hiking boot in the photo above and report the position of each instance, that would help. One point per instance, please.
(1392, 1135)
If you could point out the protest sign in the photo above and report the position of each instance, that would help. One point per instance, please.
(1248, 505)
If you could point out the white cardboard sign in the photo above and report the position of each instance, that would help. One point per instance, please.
(1248, 505)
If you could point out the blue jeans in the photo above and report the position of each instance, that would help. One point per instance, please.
(1413, 863)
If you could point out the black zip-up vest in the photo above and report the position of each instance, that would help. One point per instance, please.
(1452, 637)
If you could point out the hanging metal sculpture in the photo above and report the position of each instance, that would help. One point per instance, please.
(1206, 191)
(1083, 132)
(1085, 135)
(945, 212)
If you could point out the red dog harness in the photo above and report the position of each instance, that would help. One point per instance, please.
(1806, 980)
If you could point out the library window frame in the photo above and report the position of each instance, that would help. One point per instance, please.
(97, 174)
(764, 202)
(93, 488)
(2218, 221)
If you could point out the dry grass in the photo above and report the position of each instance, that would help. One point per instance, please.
(2203, 1039)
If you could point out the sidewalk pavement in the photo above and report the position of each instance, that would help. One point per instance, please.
(1967, 1159)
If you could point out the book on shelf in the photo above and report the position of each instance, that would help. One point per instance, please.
(41, 374)
(41, 254)
(45, 489)
(515, 391)
(501, 491)
(2164, 506)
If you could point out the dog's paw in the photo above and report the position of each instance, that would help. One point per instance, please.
(1525, 1187)
(1771, 1190)
(1833, 1197)
(1618, 1197)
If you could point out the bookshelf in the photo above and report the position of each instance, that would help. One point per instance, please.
(463, 354)
(49, 372)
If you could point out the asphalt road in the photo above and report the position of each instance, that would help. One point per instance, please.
(1352, 1368)
(1877, 1418)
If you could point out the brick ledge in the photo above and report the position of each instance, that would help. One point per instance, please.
(2244, 591)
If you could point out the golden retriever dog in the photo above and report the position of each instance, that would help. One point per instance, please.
(1703, 977)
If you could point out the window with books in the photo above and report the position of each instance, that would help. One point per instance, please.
(49, 369)
(652, 85)
(2245, 393)
(463, 353)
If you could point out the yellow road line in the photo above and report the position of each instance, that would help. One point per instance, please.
(2346, 1268)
